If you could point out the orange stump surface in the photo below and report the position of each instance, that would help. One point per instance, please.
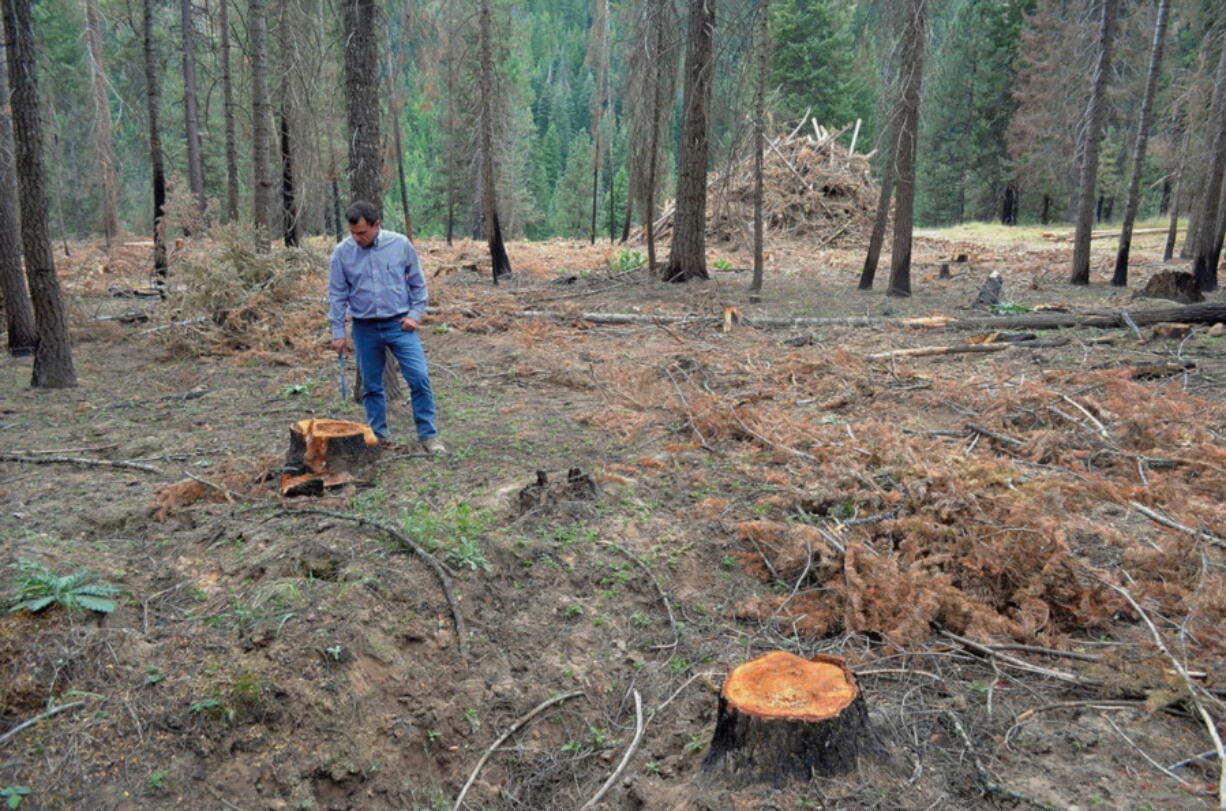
(783, 685)
(323, 453)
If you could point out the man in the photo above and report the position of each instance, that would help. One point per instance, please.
(377, 277)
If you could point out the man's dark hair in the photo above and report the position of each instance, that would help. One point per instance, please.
(363, 210)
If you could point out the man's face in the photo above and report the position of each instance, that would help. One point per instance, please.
(363, 232)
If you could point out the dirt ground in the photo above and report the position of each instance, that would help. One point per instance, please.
(968, 530)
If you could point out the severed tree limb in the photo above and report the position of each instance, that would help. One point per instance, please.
(74, 460)
(544, 705)
(672, 621)
(1172, 524)
(1022, 664)
(440, 570)
(621, 767)
(924, 351)
(31, 722)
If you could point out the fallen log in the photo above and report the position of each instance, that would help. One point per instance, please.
(785, 718)
(1208, 313)
(925, 351)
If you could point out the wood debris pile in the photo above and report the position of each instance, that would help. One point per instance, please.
(814, 189)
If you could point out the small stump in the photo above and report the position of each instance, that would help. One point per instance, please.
(324, 454)
(785, 718)
(1175, 285)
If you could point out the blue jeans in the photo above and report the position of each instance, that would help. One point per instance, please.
(369, 340)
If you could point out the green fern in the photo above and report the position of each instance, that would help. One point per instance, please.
(38, 587)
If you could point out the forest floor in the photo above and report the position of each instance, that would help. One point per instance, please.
(760, 489)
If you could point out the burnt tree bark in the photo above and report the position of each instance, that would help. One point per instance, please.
(18, 313)
(227, 90)
(783, 718)
(290, 227)
(873, 257)
(53, 366)
(1209, 242)
(1120, 277)
(261, 135)
(687, 257)
(362, 100)
(156, 161)
(912, 70)
(499, 261)
(1095, 114)
(759, 145)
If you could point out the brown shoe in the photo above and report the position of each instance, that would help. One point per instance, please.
(434, 446)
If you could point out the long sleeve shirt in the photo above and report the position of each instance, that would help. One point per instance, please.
(382, 281)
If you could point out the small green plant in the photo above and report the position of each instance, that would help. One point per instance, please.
(474, 722)
(294, 389)
(696, 742)
(678, 666)
(728, 561)
(722, 263)
(433, 735)
(574, 610)
(38, 587)
(13, 795)
(157, 780)
(206, 705)
(153, 675)
(1009, 308)
(571, 747)
(639, 619)
(652, 767)
(628, 259)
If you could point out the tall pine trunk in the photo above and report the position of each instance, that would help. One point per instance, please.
(261, 135)
(18, 313)
(1120, 278)
(1209, 235)
(912, 72)
(103, 139)
(687, 258)
(877, 238)
(598, 53)
(156, 161)
(53, 366)
(191, 116)
(499, 261)
(289, 204)
(227, 89)
(759, 146)
(362, 94)
(1095, 114)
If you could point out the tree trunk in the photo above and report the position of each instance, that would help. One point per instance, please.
(1008, 209)
(1120, 278)
(912, 70)
(53, 366)
(499, 261)
(227, 88)
(598, 53)
(18, 313)
(191, 118)
(103, 140)
(759, 146)
(156, 161)
(394, 66)
(882, 218)
(1172, 231)
(362, 94)
(1095, 114)
(687, 258)
(261, 112)
(783, 718)
(1209, 244)
(291, 230)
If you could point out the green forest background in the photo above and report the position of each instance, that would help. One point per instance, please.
(1005, 85)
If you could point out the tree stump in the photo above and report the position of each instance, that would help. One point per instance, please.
(1176, 285)
(991, 292)
(785, 718)
(326, 453)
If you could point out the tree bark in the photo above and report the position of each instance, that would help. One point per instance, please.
(1120, 278)
(18, 312)
(261, 111)
(290, 227)
(53, 366)
(912, 74)
(227, 89)
(191, 116)
(499, 261)
(598, 59)
(783, 718)
(156, 161)
(362, 100)
(103, 139)
(759, 146)
(873, 257)
(1172, 231)
(1209, 243)
(687, 257)
(1095, 114)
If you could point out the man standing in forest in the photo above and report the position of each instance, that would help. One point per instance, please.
(377, 278)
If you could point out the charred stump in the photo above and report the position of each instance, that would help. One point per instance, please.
(784, 718)
(324, 454)
(1176, 285)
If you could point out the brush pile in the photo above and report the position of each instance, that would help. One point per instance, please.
(814, 189)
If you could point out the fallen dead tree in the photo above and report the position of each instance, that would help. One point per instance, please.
(1192, 314)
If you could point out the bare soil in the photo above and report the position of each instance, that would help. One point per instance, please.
(759, 490)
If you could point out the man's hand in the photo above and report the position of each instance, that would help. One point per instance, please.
(408, 324)
(339, 344)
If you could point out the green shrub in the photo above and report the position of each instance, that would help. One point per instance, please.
(38, 587)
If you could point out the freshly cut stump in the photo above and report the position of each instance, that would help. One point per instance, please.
(784, 718)
(322, 454)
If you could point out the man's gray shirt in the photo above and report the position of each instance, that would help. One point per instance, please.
(382, 281)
